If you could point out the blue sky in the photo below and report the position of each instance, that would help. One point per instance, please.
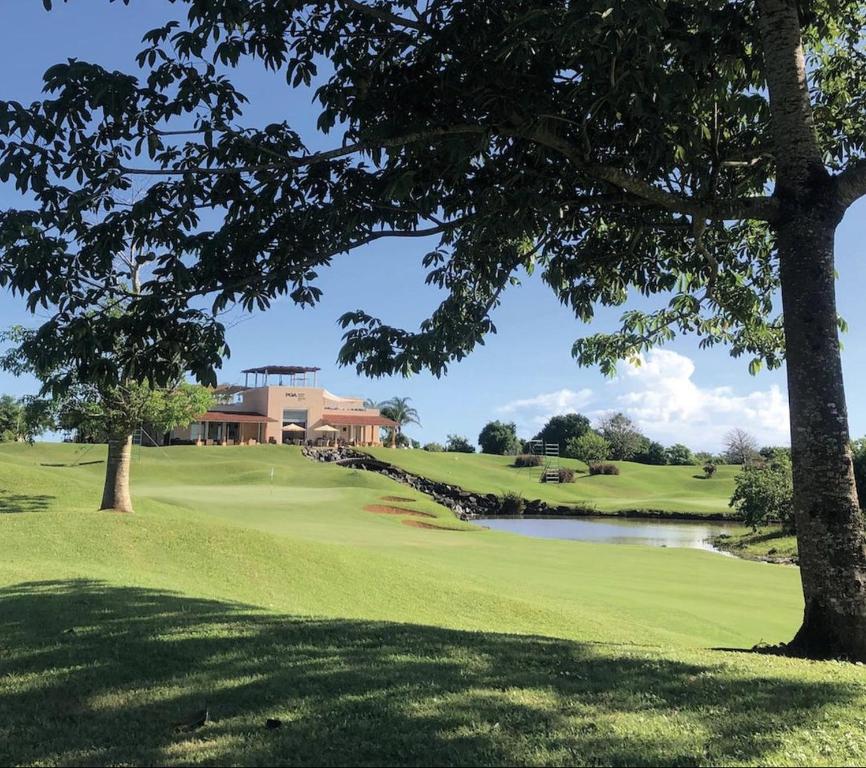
(524, 373)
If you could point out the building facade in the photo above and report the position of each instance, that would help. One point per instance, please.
(282, 404)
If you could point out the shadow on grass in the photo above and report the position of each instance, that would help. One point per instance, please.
(11, 503)
(75, 463)
(96, 674)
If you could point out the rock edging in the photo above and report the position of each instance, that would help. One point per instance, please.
(467, 505)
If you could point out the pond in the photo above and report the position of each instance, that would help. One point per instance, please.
(693, 534)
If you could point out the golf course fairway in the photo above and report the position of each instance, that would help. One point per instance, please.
(374, 628)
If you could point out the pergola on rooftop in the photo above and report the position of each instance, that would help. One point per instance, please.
(281, 375)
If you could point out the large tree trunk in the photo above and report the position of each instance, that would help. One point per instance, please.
(830, 533)
(115, 494)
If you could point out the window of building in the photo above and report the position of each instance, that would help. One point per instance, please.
(297, 419)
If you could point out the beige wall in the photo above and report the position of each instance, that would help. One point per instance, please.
(272, 401)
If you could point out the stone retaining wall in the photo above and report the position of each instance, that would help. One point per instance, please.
(465, 504)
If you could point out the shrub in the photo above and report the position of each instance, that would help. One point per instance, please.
(499, 438)
(709, 469)
(589, 448)
(434, 447)
(651, 453)
(679, 455)
(764, 493)
(566, 475)
(527, 460)
(459, 444)
(603, 469)
(511, 503)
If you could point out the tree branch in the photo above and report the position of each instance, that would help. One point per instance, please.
(311, 159)
(851, 183)
(393, 18)
(759, 207)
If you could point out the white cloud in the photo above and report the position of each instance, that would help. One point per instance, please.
(532, 412)
(662, 399)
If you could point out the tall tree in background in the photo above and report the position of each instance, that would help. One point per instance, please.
(500, 438)
(398, 409)
(740, 447)
(623, 437)
(701, 152)
(562, 428)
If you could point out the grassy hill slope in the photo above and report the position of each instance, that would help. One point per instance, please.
(255, 583)
(638, 486)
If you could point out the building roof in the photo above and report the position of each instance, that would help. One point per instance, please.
(229, 389)
(282, 370)
(243, 417)
(343, 418)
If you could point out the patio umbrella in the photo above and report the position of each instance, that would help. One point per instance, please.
(327, 428)
(293, 428)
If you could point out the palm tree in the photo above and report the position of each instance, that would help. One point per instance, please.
(398, 409)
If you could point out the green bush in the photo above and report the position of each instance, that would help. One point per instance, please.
(679, 455)
(511, 503)
(499, 438)
(764, 493)
(651, 452)
(434, 447)
(603, 469)
(527, 460)
(709, 469)
(459, 444)
(589, 448)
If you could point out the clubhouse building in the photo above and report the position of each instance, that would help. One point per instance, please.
(283, 404)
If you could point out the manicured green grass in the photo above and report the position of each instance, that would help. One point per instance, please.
(637, 487)
(769, 544)
(253, 582)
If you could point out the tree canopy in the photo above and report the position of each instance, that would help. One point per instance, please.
(562, 428)
(500, 438)
(634, 142)
(701, 154)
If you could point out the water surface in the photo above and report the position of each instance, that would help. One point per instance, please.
(693, 534)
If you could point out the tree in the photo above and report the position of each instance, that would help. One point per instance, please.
(763, 493)
(679, 454)
(106, 412)
(500, 438)
(686, 150)
(621, 434)
(11, 413)
(858, 451)
(709, 469)
(398, 409)
(459, 444)
(117, 412)
(589, 448)
(740, 447)
(769, 452)
(652, 453)
(561, 429)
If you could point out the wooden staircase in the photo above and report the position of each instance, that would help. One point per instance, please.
(550, 472)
